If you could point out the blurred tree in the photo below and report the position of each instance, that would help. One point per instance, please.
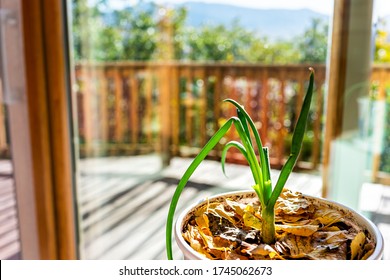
(282, 53)
(138, 28)
(313, 43)
(382, 55)
(178, 17)
(242, 41)
(382, 45)
(233, 43)
(129, 34)
(208, 43)
(146, 31)
(109, 45)
(84, 18)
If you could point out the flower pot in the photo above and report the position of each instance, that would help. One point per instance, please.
(190, 254)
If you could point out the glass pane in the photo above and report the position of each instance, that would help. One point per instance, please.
(377, 129)
(11, 90)
(359, 156)
(9, 231)
(149, 80)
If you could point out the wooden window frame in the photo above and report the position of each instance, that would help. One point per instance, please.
(41, 135)
(342, 74)
(45, 181)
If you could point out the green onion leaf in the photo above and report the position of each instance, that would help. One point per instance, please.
(186, 176)
(229, 145)
(296, 144)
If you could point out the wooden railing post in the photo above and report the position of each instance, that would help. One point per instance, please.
(201, 74)
(103, 110)
(149, 105)
(133, 114)
(282, 133)
(315, 157)
(189, 106)
(218, 88)
(248, 92)
(301, 91)
(232, 93)
(3, 139)
(264, 106)
(175, 109)
(118, 85)
(86, 82)
(165, 97)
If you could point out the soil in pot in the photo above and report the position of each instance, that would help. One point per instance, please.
(306, 228)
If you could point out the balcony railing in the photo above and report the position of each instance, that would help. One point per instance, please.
(176, 107)
(127, 108)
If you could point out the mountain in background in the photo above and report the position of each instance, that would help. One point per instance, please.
(274, 23)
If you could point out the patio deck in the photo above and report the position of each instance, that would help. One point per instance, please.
(123, 203)
(124, 218)
(9, 235)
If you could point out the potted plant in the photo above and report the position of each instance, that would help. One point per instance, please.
(271, 222)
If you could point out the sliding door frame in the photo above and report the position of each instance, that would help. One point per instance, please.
(41, 132)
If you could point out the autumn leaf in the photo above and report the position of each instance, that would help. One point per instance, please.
(234, 256)
(193, 237)
(367, 251)
(328, 216)
(300, 230)
(357, 244)
(231, 230)
(329, 252)
(296, 246)
(263, 250)
(210, 243)
(203, 223)
(251, 220)
(238, 208)
(217, 209)
(334, 238)
(293, 203)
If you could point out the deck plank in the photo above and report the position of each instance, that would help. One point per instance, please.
(9, 232)
(5, 167)
(117, 215)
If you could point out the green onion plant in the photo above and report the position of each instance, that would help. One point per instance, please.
(259, 164)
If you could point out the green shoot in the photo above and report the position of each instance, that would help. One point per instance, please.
(260, 167)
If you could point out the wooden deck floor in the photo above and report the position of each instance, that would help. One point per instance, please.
(9, 235)
(123, 203)
(124, 215)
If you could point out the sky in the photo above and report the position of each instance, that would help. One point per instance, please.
(381, 7)
(322, 6)
(325, 7)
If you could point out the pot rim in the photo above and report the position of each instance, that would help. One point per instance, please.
(190, 253)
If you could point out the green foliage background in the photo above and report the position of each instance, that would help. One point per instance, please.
(151, 32)
(140, 33)
(382, 55)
